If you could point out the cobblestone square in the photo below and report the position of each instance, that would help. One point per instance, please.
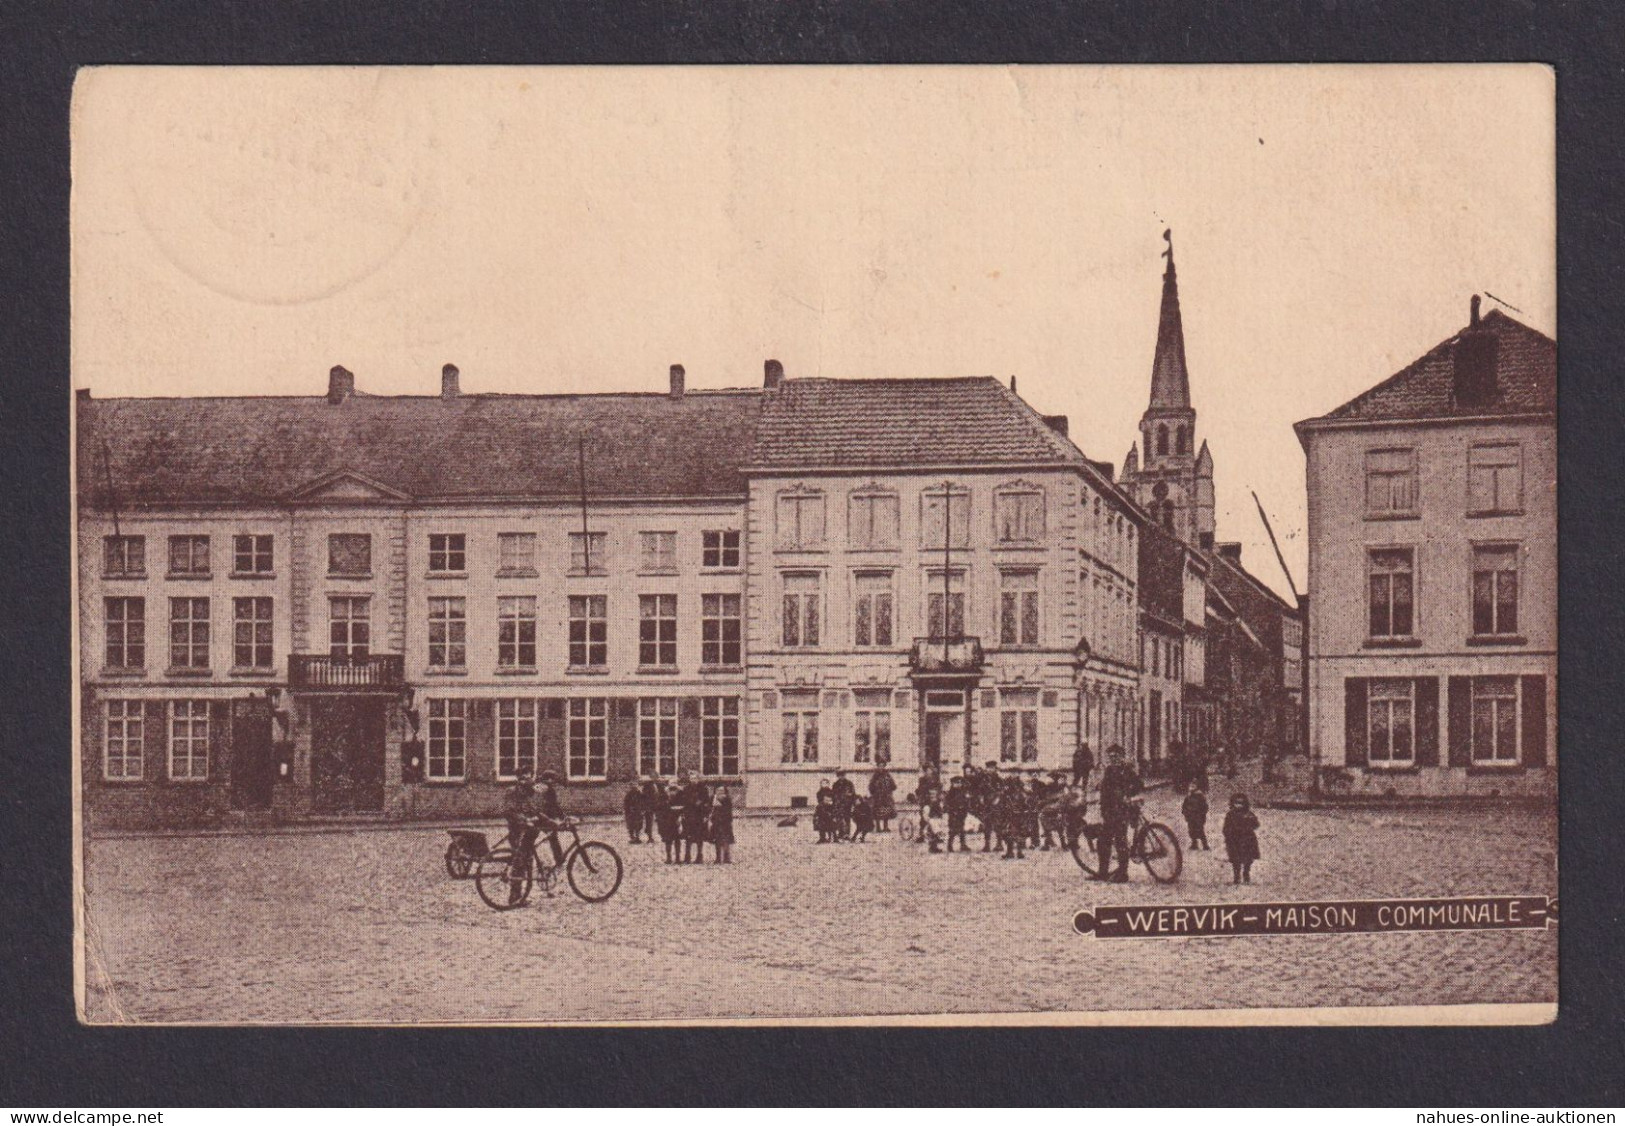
(366, 926)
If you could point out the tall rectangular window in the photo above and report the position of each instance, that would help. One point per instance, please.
(722, 630)
(589, 738)
(1494, 478)
(349, 554)
(516, 553)
(516, 632)
(1018, 608)
(123, 749)
(872, 521)
(657, 630)
(719, 735)
(945, 606)
(871, 726)
(188, 556)
(1391, 723)
(1392, 592)
(189, 740)
(125, 620)
(1495, 590)
(589, 631)
(516, 738)
(188, 633)
(872, 610)
(448, 633)
(448, 740)
(251, 633)
(251, 555)
(349, 626)
(1018, 725)
(124, 557)
(719, 549)
(448, 553)
(1018, 516)
(800, 521)
(1495, 720)
(800, 720)
(657, 735)
(933, 505)
(657, 553)
(801, 611)
(1390, 483)
(589, 553)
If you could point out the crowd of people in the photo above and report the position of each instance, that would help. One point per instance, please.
(687, 814)
(840, 813)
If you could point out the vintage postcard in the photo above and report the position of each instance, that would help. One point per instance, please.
(957, 545)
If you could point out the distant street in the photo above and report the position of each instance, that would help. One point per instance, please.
(366, 926)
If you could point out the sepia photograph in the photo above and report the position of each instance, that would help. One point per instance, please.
(872, 545)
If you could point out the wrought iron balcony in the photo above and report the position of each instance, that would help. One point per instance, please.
(319, 672)
(934, 655)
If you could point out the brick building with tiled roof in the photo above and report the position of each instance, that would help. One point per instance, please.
(1432, 636)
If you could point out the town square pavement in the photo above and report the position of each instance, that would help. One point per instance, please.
(366, 926)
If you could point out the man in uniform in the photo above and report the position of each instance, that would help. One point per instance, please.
(529, 814)
(845, 795)
(987, 800)
(957, 806)
(1117, 785)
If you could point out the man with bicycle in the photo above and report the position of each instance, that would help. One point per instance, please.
(530, 814)
(1118, 784)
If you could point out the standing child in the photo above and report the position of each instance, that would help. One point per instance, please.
(863, 819)
(1194, 807)
(824, 817)
(1241, 838)
(722, 826)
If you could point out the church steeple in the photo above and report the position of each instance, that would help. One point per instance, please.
(1170, 382)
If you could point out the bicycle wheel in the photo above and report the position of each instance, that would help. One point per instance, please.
(594, 871)
(458, 861)
(906, 828)
(502, 887)
(1084, 854)
(1157, 848)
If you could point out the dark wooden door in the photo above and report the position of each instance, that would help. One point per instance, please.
(253, 767)
(347, 755)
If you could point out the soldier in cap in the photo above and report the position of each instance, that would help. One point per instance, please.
(1118, 784)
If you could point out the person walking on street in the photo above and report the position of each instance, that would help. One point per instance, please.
(882, 797)
(632, 809)
(1194, 807)
(722, 826)
(1118, 784)
(1241, 838)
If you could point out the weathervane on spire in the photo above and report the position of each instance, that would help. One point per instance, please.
(1168, 237)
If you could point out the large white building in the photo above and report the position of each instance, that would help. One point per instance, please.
(1432, 640)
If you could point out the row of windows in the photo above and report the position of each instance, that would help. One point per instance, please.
(124, 748)
(349, 554)
(873, 604)
(1393, 734)
(800, 720)
(873, 519)
(1165, 657)
(350, 631)
(1391, 591)
(1494, 480)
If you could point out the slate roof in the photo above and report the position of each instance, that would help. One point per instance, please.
(267, 449)
(878, 423)
(1526, 379)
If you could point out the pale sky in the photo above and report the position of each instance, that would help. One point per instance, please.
(240, 231)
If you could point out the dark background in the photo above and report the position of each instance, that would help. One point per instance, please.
(49, 1061)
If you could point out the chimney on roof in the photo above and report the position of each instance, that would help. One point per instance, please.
(1230, 551)
(772, 374)
(340, 384)
(1013, 385)
(448, 382)
(1476, 359)
(677, 381)
(1056, 422)
(1473, 311)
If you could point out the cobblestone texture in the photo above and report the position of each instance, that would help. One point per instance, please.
(366, 926)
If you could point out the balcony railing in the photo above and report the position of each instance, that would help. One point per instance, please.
(324, 673)
(933, 655)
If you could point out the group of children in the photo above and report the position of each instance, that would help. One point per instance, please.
(686, 814)
(1240, 831)
(841, 814)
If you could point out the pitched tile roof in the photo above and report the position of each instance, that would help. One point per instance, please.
(266, 449)
(1526, 380)
(868, 423)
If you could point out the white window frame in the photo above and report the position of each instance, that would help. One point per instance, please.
(717, 612)
(657, 553)
(259, 551)
(804, 607)
(125, 728)
(117, 561)
(199, 636)
(1020, 740)
(1019, 591)
(352, 623)
(657, 631)
(130, 633)
(1373, 571)
(1497, 576)
(448, 553)
(720, 730)
(260, 629)
(1396, 697)
(189, 740)
(657, 736)
(448, 632)
(958, 589)
(587, 746)
(1503, 476)
(593, 620)
(516, 554)
(1501, 703)
(589, 553)
(447, 745)
(516, 631)
(867, 526)
(195, 558)
(801, 520)
(1392, 492)
(1025, 521)
(874, 603)
(872, 728)
(799, 739)
(959, 514)
(719, 549)
(517, 744)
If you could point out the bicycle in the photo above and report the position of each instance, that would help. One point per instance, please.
(1151, 843)
(504, 880)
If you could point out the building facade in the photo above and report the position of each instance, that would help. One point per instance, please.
(1432, 639)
